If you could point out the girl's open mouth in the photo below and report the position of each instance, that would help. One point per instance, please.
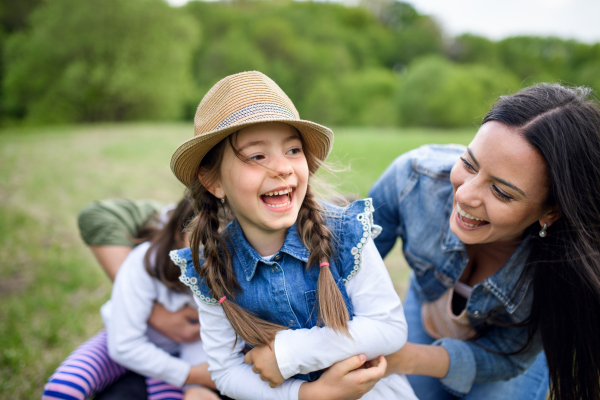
(278, 198)
(467, 220)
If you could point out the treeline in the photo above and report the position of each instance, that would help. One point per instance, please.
(380, 64)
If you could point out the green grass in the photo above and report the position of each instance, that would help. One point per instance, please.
(50, 286)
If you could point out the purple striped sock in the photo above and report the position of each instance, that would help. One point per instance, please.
(87, 370)
(159, 390)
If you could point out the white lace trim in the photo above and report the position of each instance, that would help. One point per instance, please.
(369, 230)
(192, 282)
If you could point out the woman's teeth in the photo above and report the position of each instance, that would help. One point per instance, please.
(278, 193)
(465, 214)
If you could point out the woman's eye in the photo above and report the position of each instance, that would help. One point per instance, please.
(468, 165)
(295, 150)
(503, 196)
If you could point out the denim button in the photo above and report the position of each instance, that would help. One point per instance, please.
(275, 269)
(277, 257)
(291, 322)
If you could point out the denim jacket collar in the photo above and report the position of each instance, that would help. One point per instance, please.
(502, 283)
(249, 258)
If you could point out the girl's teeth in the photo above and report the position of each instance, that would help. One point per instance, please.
(278, 205)
(285, 191)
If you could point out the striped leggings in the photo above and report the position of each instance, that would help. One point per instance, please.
(89, 370)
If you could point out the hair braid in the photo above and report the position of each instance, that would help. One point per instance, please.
(218, 270)
(316, 236)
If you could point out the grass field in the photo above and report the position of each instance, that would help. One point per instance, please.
(50, 287)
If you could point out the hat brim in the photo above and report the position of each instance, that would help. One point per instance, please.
(186, 159)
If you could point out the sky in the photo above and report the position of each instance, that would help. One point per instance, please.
(569, 19)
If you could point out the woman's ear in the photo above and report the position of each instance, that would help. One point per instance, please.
(550, 217)
(214, 187)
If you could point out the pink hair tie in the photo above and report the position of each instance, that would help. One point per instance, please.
(324, 264)
(222, 299)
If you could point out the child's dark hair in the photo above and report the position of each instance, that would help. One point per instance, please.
(218, 269)
(162, 241)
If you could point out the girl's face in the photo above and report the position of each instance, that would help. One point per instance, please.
(265, 201)
(500, 184)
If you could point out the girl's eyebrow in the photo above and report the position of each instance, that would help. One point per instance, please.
(266, 142)
(502, 181)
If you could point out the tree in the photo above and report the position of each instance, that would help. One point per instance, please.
(100, 60)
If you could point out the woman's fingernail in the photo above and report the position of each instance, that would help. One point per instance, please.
(362, 357)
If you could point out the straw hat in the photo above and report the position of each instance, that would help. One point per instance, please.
(238, 101)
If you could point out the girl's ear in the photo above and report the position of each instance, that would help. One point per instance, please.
(214, 187)
(550, 217)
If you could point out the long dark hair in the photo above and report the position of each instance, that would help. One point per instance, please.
(563, 124)
(162, 240)
(218, 268)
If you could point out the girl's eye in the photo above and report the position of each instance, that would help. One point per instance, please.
(503, 196)
(295, 150)
(257, 157)
(468, 165)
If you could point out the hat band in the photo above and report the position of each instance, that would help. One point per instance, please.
(257, 111)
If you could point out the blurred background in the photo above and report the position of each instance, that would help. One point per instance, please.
(95, 95)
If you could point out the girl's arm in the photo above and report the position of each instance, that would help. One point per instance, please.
(377, 328)
(133, 296)
(226, 360)
(345, 380)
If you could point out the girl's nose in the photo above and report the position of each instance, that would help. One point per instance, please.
(282, 167)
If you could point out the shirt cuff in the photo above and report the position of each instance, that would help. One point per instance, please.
(284, 361)
(462, 371)
(176, 371)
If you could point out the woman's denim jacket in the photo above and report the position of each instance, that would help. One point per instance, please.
(283, 290)
(413, 200)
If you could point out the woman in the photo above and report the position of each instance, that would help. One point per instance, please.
(503, 238)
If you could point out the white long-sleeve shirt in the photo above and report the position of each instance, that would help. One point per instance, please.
(378, 328)
(131, 342)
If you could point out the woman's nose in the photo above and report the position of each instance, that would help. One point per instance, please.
(469, 193)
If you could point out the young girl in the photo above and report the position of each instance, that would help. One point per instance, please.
(299, 280)
(146, 276)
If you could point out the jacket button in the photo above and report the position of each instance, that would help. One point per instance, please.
(291, 322)
(277, 257)
(475, 312)
(274, 269)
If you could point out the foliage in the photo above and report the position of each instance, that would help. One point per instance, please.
(436, 92)
(100, 60)
(95, 60)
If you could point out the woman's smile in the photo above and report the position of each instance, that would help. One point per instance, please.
(467, 220)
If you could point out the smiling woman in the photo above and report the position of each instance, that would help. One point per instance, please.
(504, 240)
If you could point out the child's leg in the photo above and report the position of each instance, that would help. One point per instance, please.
(87, 370)
(159, 390)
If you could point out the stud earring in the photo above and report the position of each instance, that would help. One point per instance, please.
(223, 200)
(543, 232)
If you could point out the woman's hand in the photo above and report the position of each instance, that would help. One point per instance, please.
(200, 393)
(181, 326)
(199, 375)
(419, 359)
(264, 363)
(345, 380)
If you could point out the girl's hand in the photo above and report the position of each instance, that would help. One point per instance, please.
(345, 380)
(200, 393)
(264, 363)
(199, 375)
(181, 326)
